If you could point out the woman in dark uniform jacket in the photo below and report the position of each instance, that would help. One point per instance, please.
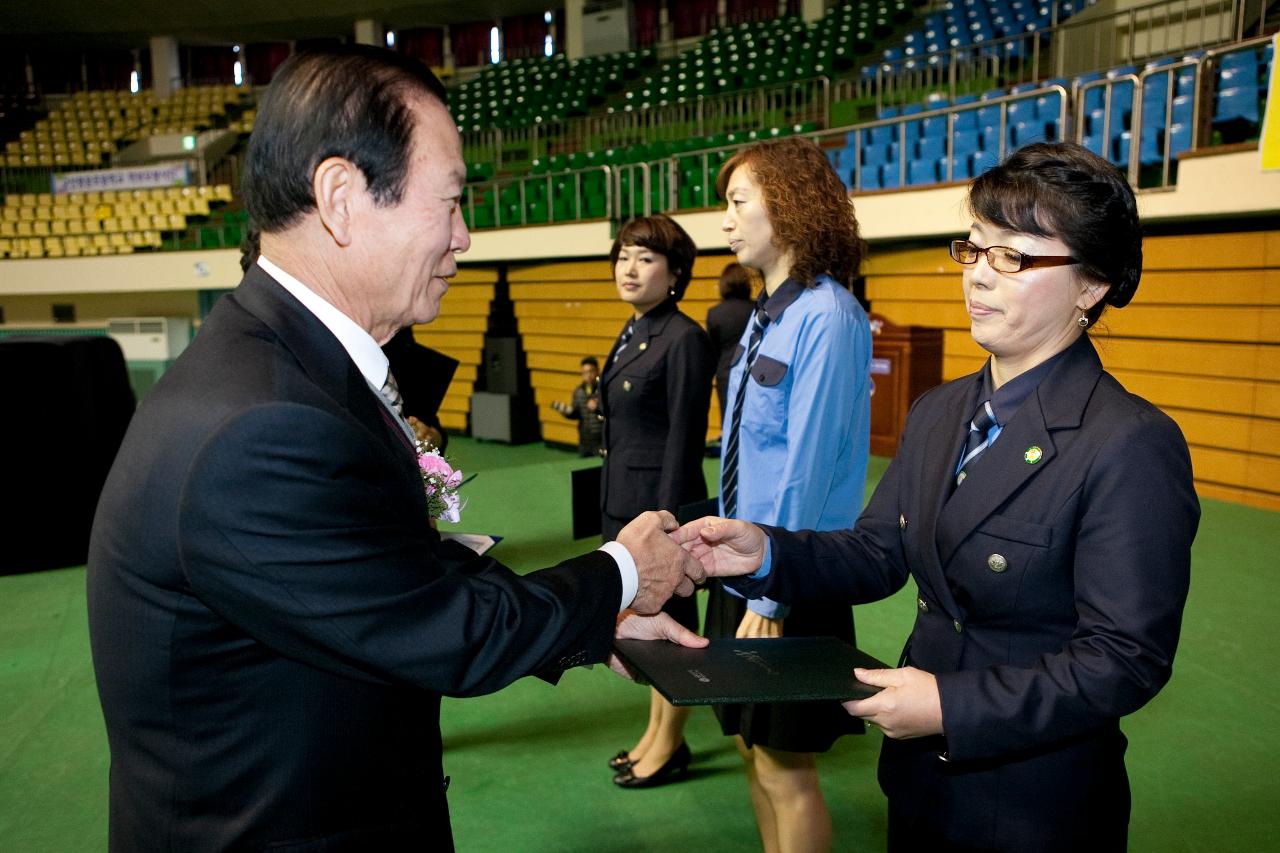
(654, 396)
(1052, 577)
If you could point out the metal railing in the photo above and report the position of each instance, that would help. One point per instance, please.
(796, 102)
(1085, 42)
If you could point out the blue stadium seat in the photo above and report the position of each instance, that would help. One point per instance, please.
(1236, 104)
(965, 142)
(966, 120)
(934, 126)
(870, 177)
(1048, 107)
(931, 147)
(962, 170)
(981, 161)
(1120, 150)
(988, 116)
(1096, 143)
(877, 153)
(922, 172)
(990, 137)
(889, 176)
(1094, 121)
(1179, 138)
(1183, 106)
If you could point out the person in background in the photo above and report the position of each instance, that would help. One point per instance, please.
(1046, 516)
(654, 395)
(585, 408)
(726, 321)
(794, 447)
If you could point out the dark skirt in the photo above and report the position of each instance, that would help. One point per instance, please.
(790, 726)
(682, 609)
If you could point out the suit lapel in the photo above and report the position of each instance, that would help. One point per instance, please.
(1024, 449)
(943, 442)
(318, 352)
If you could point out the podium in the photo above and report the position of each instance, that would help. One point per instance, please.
(906, 361)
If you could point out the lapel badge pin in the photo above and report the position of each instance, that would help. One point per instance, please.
(644, 345)
(1033, 455)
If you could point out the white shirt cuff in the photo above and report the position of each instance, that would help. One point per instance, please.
(626, 570)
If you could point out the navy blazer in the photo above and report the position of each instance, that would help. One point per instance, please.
(1051, 587)
(272, 620)
(655, 401)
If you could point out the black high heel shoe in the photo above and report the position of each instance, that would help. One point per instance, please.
(676, 767)
(621, 761)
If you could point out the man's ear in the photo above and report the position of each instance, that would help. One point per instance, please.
(336, 184)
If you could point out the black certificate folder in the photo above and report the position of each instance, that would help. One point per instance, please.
(785, 669)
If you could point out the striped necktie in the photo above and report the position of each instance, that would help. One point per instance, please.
(979, 426)
(391, 391)
(623, 340)
(729, 471)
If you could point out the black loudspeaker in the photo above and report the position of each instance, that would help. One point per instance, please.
(503, 417)
(501, 365)
(585, 491)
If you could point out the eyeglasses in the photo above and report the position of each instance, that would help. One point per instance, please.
(1004, 259)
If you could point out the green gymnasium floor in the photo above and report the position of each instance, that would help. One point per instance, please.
(528, 763)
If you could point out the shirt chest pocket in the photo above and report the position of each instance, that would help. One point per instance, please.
(765, 409)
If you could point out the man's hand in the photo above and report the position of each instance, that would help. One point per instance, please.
(908, 706)
(724, 547)
(663, 566)
(755, 626)
(632, 626)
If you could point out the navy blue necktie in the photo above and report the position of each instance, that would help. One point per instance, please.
(729, 473)
(976, 442)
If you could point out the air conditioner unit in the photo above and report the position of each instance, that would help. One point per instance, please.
(150, 338)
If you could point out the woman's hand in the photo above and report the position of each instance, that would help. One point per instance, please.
(755, 626)
(724, 547)
(908, 706)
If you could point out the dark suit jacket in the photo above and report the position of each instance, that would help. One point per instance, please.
(1051, 594)
(726, 321)
(272, 620)
(655, 403)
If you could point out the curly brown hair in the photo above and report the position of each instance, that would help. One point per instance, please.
(809, 207)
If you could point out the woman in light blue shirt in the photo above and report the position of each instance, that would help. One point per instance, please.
(794, 447)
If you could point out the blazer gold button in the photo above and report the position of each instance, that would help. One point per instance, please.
(644, 345)
(626, 385)
(959, 627)
(923, 605)
(902, 521)
(997, 563)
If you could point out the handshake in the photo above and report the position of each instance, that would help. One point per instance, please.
(671, 559)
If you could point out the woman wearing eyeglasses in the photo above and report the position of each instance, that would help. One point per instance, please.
(1046, 515)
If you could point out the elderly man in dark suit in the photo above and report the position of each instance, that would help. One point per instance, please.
(273, 621)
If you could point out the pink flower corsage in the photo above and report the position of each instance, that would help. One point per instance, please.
(441, 483)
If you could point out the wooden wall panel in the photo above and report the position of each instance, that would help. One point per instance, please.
(569, 309)
(1201, 340)
(459, 332)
